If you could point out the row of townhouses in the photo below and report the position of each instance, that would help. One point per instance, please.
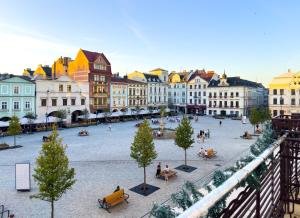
(87, 83)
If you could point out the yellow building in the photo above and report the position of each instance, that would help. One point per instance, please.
(60, 66)
(284, 94)
(28, 72)
(44, 71)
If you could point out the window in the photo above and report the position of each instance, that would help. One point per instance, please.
(281, 92)
(281, 112)
(225, 103)
(54, 102)
(191, 87)
(195, 86)
(191, 93)
(204, 101)
(99, 67)
(73, 101)
(69, 88)
(274, 100)
(292, 91)
(16, 90)
(275, 93)
(231, 104)
(204, 93)
(65, 101)
(275, 113)
(236, 104)
(293, 101)
(16, 105)
(220, 104)
(191, 101)
(83, 101)
(4, 105)
(237, 94)
(27, 105)
(282, 101)
(199, 86)
(199, 94)
(231, 94)
(43, 102)
(61, 88)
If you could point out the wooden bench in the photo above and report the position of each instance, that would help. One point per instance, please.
(113, 199)
(169, 174)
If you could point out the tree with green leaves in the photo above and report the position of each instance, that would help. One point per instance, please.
(143, 148)
(30, 119)
(254, 117)
(52, 173)
(184, 136)
(61, 114)
(14, 127)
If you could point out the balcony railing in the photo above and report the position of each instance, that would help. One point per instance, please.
(264, 201)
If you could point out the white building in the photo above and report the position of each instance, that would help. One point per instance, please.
(118, 94)
(197, 84)
(157, 91)
(61, 94)
(234, 96)
(177, 91)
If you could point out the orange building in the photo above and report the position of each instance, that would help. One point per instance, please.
(95, 68)
(60, 67)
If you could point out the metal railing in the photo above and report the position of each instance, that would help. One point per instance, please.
(250, 202)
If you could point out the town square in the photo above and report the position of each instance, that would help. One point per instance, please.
(149, 109)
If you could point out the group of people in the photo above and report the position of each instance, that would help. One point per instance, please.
(207, 153)
(83, 133)
(154, 121)
(166, 170)
(203, 134)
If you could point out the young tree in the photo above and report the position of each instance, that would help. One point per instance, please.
(184, 136)
(14, 127)
(61, 114)
(254, 117)
(30, 118)
(52, 172)
(143, 148)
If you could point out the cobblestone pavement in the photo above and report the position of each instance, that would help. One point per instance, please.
(102, 161)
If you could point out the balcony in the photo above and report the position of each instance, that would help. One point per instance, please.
(274, 193)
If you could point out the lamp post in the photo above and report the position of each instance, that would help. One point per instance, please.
(47, 109)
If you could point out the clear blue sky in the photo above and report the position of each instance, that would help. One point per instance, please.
(254, 39)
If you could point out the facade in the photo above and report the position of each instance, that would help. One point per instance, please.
(177, 91)
(95, 68)
(234, 96)
(137, 95)
(60, 67)
(118, 94)
(62, 93)
(157, 89)
(197, 84)
(284, 94)
(17, 96)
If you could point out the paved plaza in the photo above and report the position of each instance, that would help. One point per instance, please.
(102, 161)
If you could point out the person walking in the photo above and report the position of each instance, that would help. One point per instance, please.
(208, 133)
(220, 123)
(109, 127)
(158, 170)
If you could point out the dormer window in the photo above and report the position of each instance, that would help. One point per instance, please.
(99, 66)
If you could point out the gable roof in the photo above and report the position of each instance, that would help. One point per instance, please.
(48, 70)
(5, 76)
(92, 56)
(152, 78)
(158, 69)
(236, 81)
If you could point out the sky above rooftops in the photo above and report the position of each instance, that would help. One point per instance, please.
(254, 39)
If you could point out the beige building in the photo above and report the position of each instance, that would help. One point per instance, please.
(284, 94)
